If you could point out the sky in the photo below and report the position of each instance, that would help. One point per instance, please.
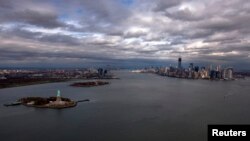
(78, 33)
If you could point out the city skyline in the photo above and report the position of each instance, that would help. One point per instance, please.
(61, 33)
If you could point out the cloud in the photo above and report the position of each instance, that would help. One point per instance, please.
(30, 13)
(86, 31)
(162, 5)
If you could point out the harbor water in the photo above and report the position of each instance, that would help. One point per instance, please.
(137, 107)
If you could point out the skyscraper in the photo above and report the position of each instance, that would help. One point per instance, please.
(227, 74)
(191, 66)
(179, 63)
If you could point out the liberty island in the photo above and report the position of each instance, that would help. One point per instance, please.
(57, 102)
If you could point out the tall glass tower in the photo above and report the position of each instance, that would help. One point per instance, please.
(179, 63)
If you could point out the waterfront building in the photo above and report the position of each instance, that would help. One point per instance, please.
(212, 74)
(191, 66)
(166, 70)
(218, 68)
(196, 68)
(190, 74)
(230, 73)
(203, 74)
(227, 74)
(218, 74)
(196, 75)
(100, 72)
(211, 67)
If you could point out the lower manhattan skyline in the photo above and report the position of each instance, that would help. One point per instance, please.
(124, 33)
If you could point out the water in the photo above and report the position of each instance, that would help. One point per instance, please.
(138, 107)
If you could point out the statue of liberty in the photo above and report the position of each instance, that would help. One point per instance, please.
(58, 97)
(58, 93)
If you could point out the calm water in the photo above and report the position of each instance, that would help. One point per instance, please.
(138, 107)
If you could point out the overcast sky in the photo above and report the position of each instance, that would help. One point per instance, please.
(75, 33)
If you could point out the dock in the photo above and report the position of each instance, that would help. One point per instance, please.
(84, 100)
(12, 104)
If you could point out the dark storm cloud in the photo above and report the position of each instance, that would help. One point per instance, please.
(15, 11)
(37, 36)
(80, 58)
(68, 40)
(18, 32)
(8, 53)
(35, 18)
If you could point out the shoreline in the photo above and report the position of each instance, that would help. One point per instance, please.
(29, 84)
(50, 102)
(89, 84)
(20, 83)
(206, 79)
